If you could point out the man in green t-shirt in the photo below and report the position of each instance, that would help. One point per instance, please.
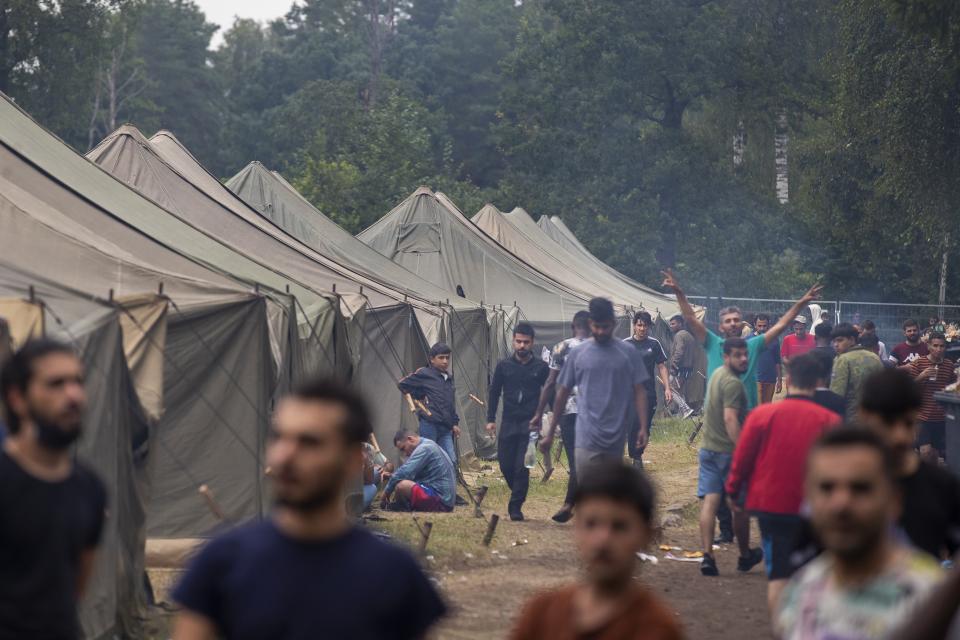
(731, 325)
(723, 415)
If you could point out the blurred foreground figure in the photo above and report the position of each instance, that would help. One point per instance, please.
(51, 508)
(866, 581)
(307, 571)
(613, 509)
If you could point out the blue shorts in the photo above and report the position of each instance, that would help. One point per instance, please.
(714, 467)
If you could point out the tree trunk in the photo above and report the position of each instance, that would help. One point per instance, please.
(780, 141)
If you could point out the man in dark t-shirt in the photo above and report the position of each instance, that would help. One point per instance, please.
(307, 571)
(931, 496)
(654, 359)
(51, 508)
(911, 348)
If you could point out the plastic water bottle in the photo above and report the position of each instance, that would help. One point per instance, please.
(530, 459)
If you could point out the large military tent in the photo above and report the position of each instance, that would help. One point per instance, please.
(467, 325)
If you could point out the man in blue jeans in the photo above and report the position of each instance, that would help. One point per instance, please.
(433, 387)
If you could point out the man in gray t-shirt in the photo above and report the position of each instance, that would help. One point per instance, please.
(609, 376)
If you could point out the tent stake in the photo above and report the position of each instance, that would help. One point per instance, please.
(478, 500)
(425, 531)
(33, 295)
(204, 491)
(491, 528)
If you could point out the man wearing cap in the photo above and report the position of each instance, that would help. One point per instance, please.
(433, 388)
(797, 343)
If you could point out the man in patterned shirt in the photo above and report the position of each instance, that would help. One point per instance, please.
(932, 372)
(853, 366)
(581, 332)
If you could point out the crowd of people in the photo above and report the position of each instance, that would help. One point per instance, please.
(844, 476)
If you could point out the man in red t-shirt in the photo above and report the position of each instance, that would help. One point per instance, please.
(770, 461)
(797, 343)
(932, 372)
(911, 348)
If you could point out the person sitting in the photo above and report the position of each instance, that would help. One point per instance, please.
(374, 466)
(425, 482)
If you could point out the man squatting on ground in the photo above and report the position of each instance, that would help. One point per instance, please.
(426, 481)
(433, 386)
(519, 379)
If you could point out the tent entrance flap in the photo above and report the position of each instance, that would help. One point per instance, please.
(24, 317)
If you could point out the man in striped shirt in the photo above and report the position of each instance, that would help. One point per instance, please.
(932, 372)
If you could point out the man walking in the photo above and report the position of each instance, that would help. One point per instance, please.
(723, 414)
(911, 348)
(769, 462)
(305, 571)
(568, 421)
(797, 343)
(434, 389)
(51, 507)
(610, 378)
(931, 495)
(683, 355)
(426, 481)
(769, 378)
(519, 379)
(654, 360)
(852, 367)
(614, 522)
(865, 581)
(731, 325)
(933, 372)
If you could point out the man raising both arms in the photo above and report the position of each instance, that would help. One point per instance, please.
(731, 325)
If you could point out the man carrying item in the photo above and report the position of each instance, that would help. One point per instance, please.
(723, 415)
(51, 507)
(769, 378)
(305, 570)
(865, 582)
(683, 359)
(615, 507)
(654, 360)
(731, 323)
(426, 481)
(797, 343)
(933, 373)
(519, 379)
(852, 367)
(930, 517)
(769, 462)
(911, 348)
(434, 389)
(568, 422)
(610, 378)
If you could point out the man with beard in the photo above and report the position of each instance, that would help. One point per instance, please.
(891, 405)
(654, 359)
(865, 582)
(612, 524)
(51, 507)
(797, 343)
(683, 359)
(731, 326)
(519, 379)
(306, 571)
(609, 377)
(911, 348)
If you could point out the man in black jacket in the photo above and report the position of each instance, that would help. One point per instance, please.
(433, 388)
(519, 379)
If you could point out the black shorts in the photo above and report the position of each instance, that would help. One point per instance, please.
(933, 434)
(779, 536)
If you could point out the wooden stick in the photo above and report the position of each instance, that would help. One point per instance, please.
(422, 407)
(373, 441)
(204, 491)
(478, 400)
(425, 531)
(409, 398)
(491, 528)
(478, 499)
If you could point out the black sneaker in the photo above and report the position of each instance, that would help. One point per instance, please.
(563, 515)
(460, 501)
(724, 538)
(516, 516)
(709, 566)
(744, 564)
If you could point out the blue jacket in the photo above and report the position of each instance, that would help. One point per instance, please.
(428, 385)
(430, 466)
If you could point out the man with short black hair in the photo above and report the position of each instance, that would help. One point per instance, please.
(823, 396)
(865, 582)
(683, 358)
(823, 339)
(519, 379)
(654, 359)
(615, 506)
(911, 348)
(426, 481)
(891, 402)
(870, 327)
(933, 372)
(307, 569)
(769, 463)
(51, 507)
(610, 378)
(852, 367)
(723, 415)
(434, 389)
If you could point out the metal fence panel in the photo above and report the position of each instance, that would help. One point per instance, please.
(750, 307)
(889, 317)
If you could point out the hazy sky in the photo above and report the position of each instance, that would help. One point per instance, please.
(222, 12)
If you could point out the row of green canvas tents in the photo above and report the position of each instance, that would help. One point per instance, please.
(195, 305)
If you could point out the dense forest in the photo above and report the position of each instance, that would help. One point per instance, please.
(752, 144)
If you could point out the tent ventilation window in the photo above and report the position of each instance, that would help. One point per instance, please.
(419, 237)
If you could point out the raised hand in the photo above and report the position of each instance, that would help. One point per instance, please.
(813, 293)
(669, 280)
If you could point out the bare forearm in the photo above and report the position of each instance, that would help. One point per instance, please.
(664, 376)
(697, 328)
(549, 389)
(563, 394)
